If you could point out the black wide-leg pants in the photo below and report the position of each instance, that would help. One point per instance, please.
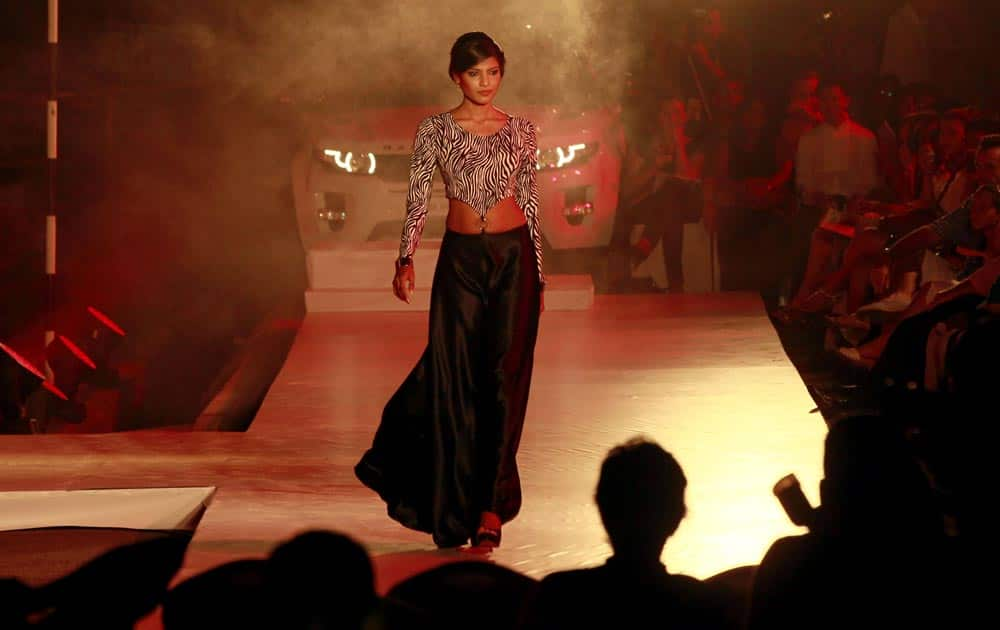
(445, 449)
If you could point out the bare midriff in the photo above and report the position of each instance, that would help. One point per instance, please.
(503, 217)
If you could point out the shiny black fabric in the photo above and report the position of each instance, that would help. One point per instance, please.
(445, 449)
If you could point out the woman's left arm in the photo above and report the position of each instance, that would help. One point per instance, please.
(527, 192)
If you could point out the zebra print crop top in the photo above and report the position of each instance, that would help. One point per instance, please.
(478, 170)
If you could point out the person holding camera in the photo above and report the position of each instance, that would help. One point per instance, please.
(876, 554)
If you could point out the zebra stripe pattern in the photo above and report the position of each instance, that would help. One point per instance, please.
(478, 170)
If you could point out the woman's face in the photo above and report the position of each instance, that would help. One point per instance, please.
(951, 139)
(983, 213)
(481, 82)
(926, 157)
(988, 166)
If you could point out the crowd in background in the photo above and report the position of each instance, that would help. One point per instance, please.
(862, 200)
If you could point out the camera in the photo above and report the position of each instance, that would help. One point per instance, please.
(794, 501)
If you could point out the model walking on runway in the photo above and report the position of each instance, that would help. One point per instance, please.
(443, 458)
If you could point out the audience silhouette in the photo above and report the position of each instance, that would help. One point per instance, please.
(640, 496)
(320, 579)
(115, 590)
(450, 595)
(229, 595)
(877, 555)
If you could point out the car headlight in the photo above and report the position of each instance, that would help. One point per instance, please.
(561, 157)
(350, 161)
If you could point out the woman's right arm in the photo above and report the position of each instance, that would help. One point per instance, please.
(422, 163)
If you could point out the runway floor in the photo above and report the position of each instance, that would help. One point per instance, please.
(706, 376)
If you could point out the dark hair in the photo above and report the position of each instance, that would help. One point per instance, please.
(322, 576)
(640, 496)
(983, 126)
(871, 477)
(958, 115)
(989, 141)
(472, 48)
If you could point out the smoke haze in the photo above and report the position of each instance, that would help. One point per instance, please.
(345, 50)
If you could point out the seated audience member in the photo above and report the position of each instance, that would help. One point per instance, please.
(901, 350)
(319, 579)
(954, 228)
(877, 556)
(115, 590)
(15, 603)
(640, 496)
(965, 437)
(450, 595)
(227, 595)
(835, 162)
(968, 227)
(316, 580)
(947, 182)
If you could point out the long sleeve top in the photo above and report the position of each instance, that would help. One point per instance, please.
(479, 170)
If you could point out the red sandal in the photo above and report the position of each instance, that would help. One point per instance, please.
(488, 534)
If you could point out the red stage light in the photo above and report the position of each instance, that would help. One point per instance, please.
(80, 354)
(107, 321)
(49, 385)
(21, 360)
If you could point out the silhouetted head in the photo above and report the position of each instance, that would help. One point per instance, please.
(320, 578)
(872, 481)
(455, 593)
(640, 496)
(228, 595)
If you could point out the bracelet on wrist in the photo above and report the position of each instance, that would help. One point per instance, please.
(404, 261)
